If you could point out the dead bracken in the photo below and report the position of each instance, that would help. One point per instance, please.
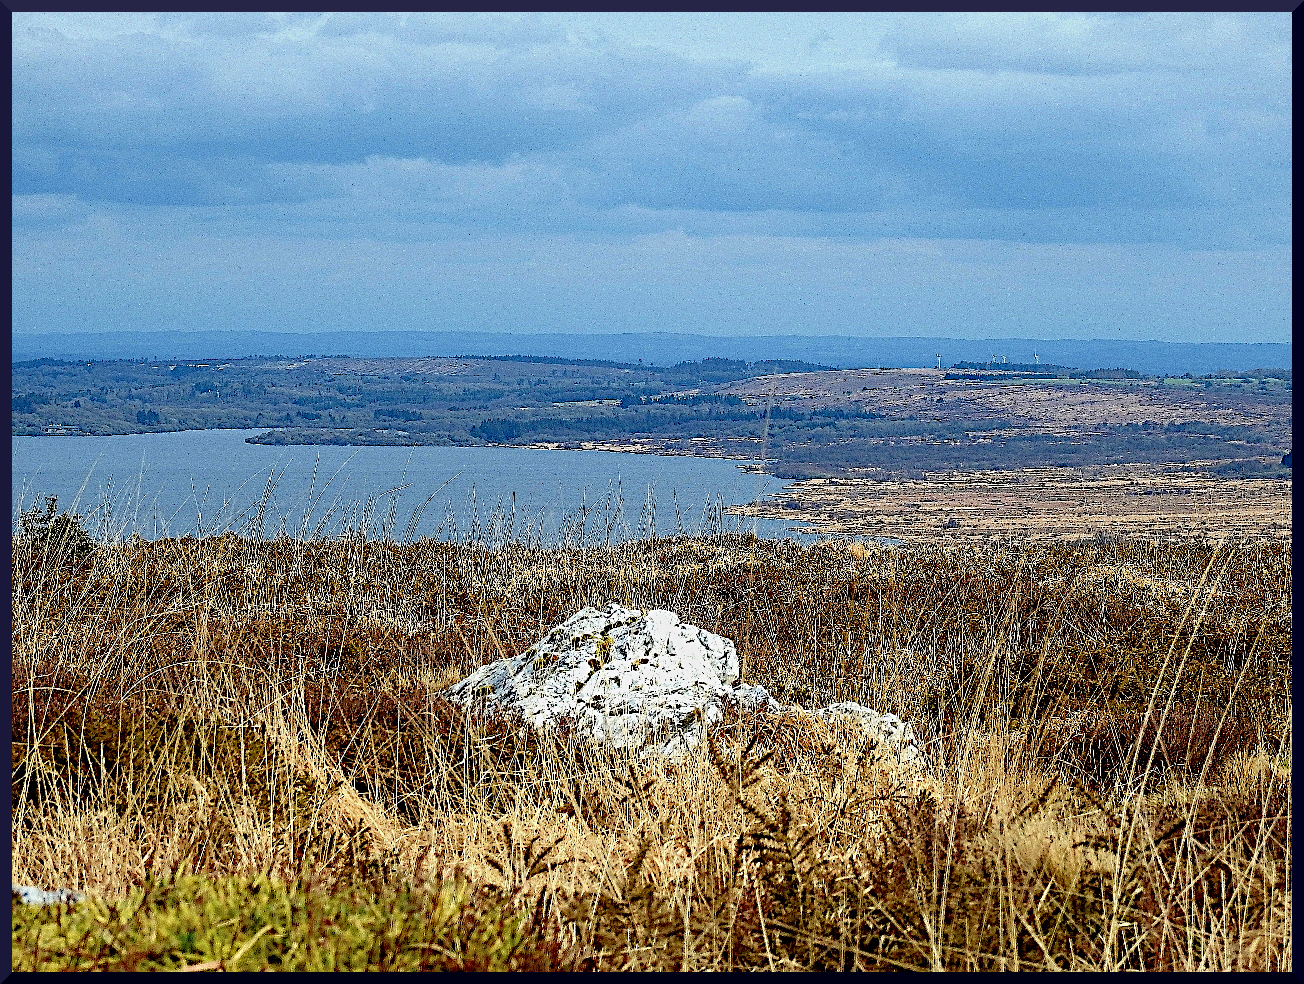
(210, 733)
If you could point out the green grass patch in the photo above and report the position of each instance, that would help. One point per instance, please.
(255, 924)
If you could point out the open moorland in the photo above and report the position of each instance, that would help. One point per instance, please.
(931, 420)
(238, 748)
(903, 453)
(797, 420)
(1039, 504)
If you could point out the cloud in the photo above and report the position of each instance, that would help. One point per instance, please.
(1084, 130)
(1087, 43)
(38, 210)
(975, 110)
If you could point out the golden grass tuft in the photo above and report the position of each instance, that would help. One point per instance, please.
(198, 722)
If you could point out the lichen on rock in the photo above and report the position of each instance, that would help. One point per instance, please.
(640, 680)
(30, 895)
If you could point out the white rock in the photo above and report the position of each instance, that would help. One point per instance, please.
(758, 699)
(626, 677)
(889, 729)
(28, 895)
(620, 675)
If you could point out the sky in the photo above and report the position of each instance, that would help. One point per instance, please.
(970, 176)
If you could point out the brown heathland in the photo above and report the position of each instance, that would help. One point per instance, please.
(238, 747)
(1038, 504)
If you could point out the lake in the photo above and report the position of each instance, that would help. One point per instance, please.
(211, 481)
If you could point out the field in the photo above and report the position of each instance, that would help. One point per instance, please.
(238, 749)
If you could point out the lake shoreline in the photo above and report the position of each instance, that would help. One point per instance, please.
(164, 483)
(704, 447)
(1031, 503)
(624, 447)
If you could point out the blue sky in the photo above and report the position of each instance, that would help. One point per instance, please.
(977, 175)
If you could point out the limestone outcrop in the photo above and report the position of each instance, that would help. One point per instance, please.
(29, 895)
(629, 679)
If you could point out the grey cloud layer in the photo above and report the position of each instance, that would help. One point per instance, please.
(1172, 128)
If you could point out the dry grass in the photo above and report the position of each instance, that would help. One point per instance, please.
(1108, 725)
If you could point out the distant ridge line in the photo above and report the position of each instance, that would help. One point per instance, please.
(661, 348)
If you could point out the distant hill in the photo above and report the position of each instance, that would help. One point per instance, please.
(1024, 370)
(663, 348)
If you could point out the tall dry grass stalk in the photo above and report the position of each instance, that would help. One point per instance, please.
(1108, 725)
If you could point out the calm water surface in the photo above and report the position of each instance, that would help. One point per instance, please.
(210, 481)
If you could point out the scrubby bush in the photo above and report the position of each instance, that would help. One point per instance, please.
(55, 533)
